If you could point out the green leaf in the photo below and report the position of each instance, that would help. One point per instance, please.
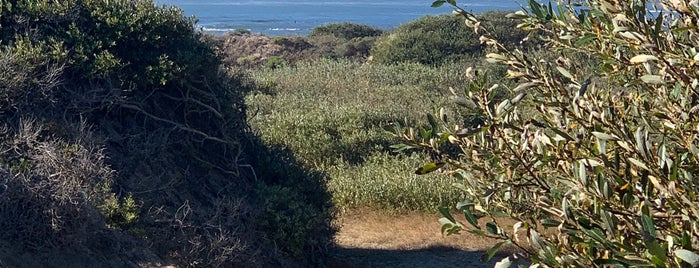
(652, 79)
(430, 167)
(686, 240)
(648, 226)
(562, 134)
(550, 223)
(585, 39)
(604, 136)
(471, 218)
(401, 147)
(688, 256)
(464, 102)
(492, 228)
(596, 235)
(438, 3)
(433, 123)
(491, 252)
(565, 73)
(658, 252)
(477, 232)
(452, 2)
(445, 212)
(536, 9)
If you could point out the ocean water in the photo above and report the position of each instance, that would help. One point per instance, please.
(288, 17)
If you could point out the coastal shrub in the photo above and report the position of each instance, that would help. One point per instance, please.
(386, 182)
(434, 40)
(598, 168)
(345, 30)
(274, 62)
(330, 116)
(167, 119)
(51, 188)
(344, 40)
(139, 75)
(429, 40)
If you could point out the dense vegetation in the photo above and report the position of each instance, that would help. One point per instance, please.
(118, 120)
(333, 114)
(597, 165)
(123, 127)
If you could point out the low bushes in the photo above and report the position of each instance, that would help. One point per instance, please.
(345, 31)
(331, 116)
(435, 40)
(134, 117)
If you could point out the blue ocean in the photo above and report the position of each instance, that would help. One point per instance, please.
(284, 17)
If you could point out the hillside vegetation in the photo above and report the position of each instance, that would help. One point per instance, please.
(333, 113)
(122, 134)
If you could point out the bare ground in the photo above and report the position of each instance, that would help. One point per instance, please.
(370, 238)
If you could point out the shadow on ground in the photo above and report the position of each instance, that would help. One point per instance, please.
(437, 256)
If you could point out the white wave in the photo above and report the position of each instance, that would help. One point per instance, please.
(207, 29)
(284, 29)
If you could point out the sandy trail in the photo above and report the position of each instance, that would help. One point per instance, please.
(377, 239)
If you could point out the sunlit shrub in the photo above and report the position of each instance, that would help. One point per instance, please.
(599, 168)
(435, 40)
(345, 30)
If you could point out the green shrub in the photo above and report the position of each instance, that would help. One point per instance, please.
(51, 188)
(274, 62)
(345, 30)
(599, 168)
(289, 219)
(434, 40)
(170, 123)
(241, 31)
(387, 182)
(344, 40)
(430, 40)
(120, 213)
(330, 115)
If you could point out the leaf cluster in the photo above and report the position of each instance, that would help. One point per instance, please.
(599, 167)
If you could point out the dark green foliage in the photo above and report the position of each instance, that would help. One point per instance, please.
(296, 207)
(330, 115)
(345, 30)
(344, 40)
(430, 40)
(242, 31)
(274, 62)
(435, 40)
(50, 188)
(168, 120)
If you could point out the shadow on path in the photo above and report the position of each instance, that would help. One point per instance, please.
(428, 257)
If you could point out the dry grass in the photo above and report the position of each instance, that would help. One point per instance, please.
(372, 238)
(374, 229)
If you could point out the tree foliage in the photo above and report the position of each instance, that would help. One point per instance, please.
(599, 168)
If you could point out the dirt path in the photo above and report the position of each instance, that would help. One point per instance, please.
(377, 239)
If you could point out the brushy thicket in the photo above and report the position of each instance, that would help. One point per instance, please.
(331, 115)
(344, 40)
(435, 40)
(599, 167)
(334, 41)
(107, 106)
